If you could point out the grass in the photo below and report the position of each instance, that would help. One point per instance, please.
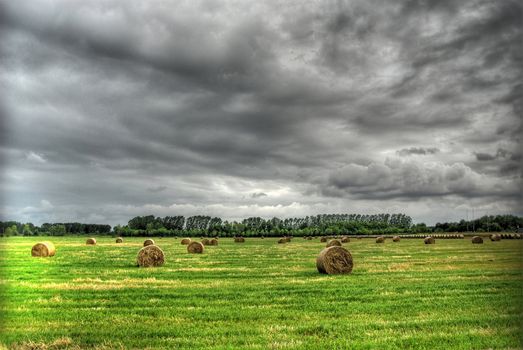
(262, 295)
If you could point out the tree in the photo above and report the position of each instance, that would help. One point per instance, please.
(57, 230)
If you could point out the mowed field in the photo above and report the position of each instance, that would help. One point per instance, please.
(262, 295)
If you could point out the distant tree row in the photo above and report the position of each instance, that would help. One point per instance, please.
(324, 224)
(10, 228)
(487, 223)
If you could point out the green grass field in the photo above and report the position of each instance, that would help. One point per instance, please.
(262, 295)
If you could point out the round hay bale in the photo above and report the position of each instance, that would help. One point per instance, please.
(334, 242)
(282, 240)
(396, 238)
(323, 239)
(309, 238)
(119, 240)
(345, 239)
(239, 239)
(186, 241)
(206, 241)
(429, 240)
(380, 239)
(91, 241)
(334, 260)
(495, 237)
(477, 240)
(213, 241)
(195, 248)
(148, 242)
(43, 249)
(150, 256)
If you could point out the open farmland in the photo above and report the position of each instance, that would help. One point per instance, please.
(260, 294)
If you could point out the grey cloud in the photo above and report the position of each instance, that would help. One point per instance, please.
(211, 101)
(156, 189)
(417, 151)
(258, 195)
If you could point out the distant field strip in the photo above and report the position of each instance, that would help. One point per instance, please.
(261, 295)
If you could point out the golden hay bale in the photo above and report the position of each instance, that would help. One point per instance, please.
(345, 239)
(309, 238)
(91, 241)
(429, 240)
(333, 242)
(239, 239)
(206, 241)
(477, 240)
(380, 239)
(288, 239)
(213, 241)
(43, 249)
(150, 256)
(396, 238)
(186, 241)
(119, 240)
(195, 248)
(282, 240)
(495, 237)
(334, 260)
(323, 239)
(148, 242)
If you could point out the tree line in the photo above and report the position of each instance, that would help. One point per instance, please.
(323, 224)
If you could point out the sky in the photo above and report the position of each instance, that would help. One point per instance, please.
(112, 109)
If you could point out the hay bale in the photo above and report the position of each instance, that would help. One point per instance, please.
(239, 239)
(150, 256)
(43, 249)
(91, 241)
(195, 248)
(282, 240)
(494, 237)
(429, 240)
(186, 241)
(148, 242)
(380, 239)
(323, 239)
(119, 240)
(206, 241)
(213, 241)
(477, 240)
(334, 260)
(345, 239)
(334, 242)
(309, 238)
(396, 238)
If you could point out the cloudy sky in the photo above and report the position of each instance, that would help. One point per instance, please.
(111, 109)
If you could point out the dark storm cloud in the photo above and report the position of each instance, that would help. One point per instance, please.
(304, 107)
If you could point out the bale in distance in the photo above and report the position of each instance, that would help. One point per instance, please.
(186, 241)
(380, 239)
(91, 241)
(119, 240)
(195, 248)
(334, 260)
(206, 241)
(150, 256)
(148, 242)
(345, 239)
(43, 249)
(334, 242)
(396, 238)
(239, 239)
(477, 240)
(282, 240)
(429, 240)
(213, 241)
(323, 239)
